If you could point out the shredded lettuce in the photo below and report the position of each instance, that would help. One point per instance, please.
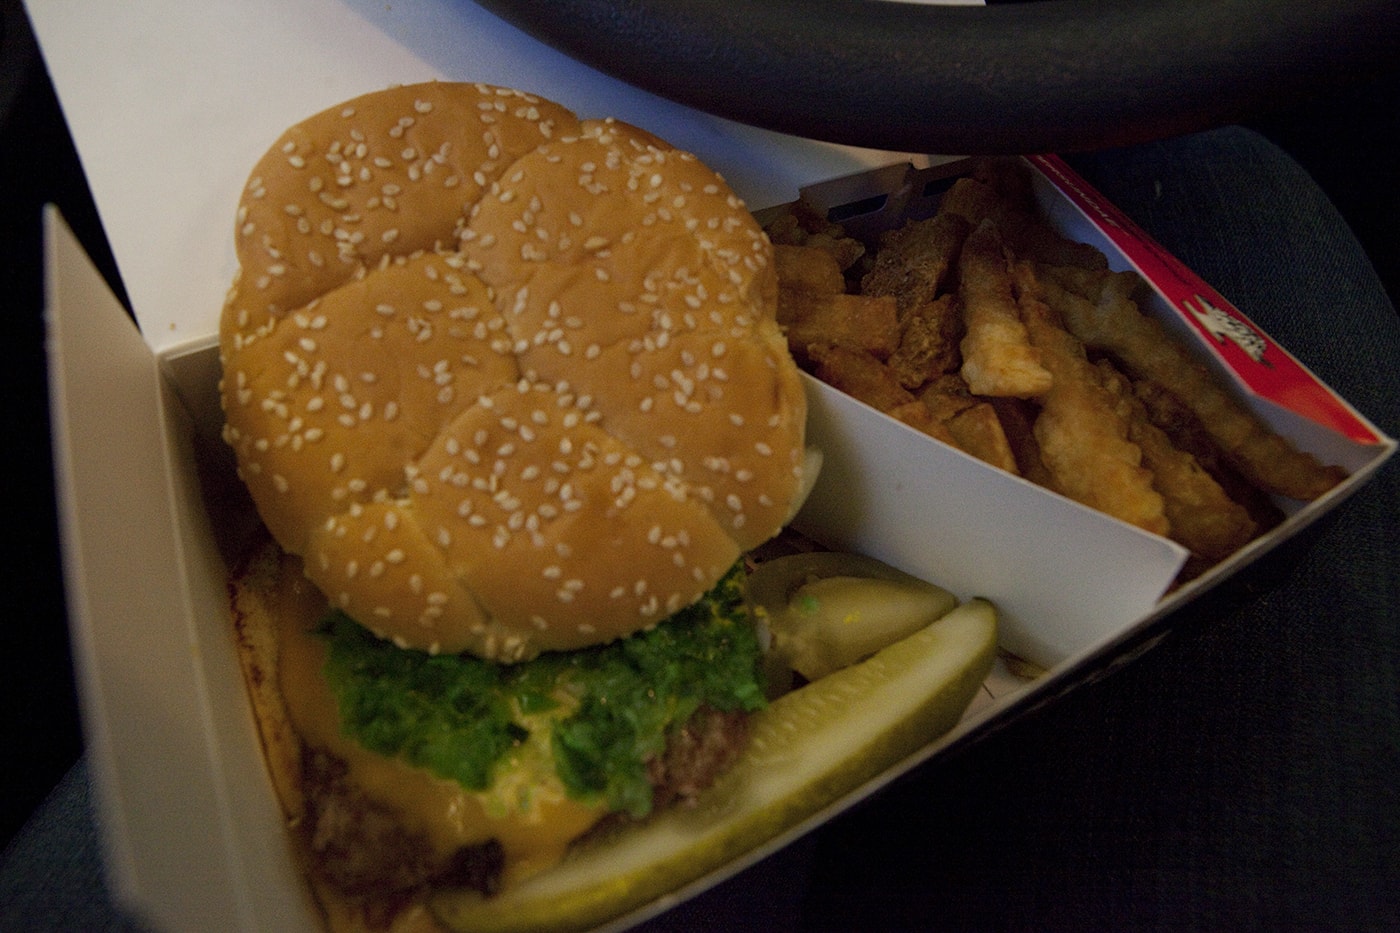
(610, 709)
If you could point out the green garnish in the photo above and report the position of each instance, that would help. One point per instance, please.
(610, 709)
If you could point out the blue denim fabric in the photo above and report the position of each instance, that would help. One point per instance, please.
(51, 873)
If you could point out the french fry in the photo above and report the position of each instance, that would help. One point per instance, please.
(1187, 433)
(928, 342)
(864, 377)
(1000, 337)
(971, 421)
(855, 322)
(999, 190)
(915, 262)
(915, 265)
(1017, 419)
(804, 225)
(978, 199)
(998, 357)
(1082, 436)
(808, 268)
(1113, 324)
(1202, 516)
(978, 431)
(947, 396)
(813, 307)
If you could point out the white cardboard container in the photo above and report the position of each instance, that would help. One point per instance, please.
(933, 511)
(170, 104)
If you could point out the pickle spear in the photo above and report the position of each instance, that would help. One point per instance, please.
(807, 749)
(828, 609)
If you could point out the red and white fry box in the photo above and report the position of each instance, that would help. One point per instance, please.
(170, 104)
(1054, 602)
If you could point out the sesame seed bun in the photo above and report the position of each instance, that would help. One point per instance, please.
(506, 380)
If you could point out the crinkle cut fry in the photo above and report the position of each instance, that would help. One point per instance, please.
(1083, 437)
(1187, 433)
(1203, 517)
(1110, 321)
(998, 358)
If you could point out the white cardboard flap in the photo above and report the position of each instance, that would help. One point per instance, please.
(892, 492)
(171, 102)
(138, 559)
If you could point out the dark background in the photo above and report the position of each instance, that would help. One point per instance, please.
(1108, 748)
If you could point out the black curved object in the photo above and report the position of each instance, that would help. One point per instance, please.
(1062, 75)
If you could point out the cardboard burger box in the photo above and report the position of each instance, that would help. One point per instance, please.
(192, 835)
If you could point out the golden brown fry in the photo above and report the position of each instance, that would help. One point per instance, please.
(928, 342)
(1083, 439)
(947, 396)
(1186, 432)
(862, 376)
(855, 322)
(998, 358)
(978, 431)
(1114, 325)
(914, 263)
(1017, 419)
(813, 307)
(1000, 190)
(975, 200)
(802, 224)
(971, 422)
(808, 268)
(1203, 517)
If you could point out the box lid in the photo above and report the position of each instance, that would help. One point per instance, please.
(171, 103)
(190, 837)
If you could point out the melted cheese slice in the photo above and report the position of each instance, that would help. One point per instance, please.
(527, 810)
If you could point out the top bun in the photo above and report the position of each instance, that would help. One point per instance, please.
(508, 381)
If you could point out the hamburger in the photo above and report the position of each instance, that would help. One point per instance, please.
(507, 391)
